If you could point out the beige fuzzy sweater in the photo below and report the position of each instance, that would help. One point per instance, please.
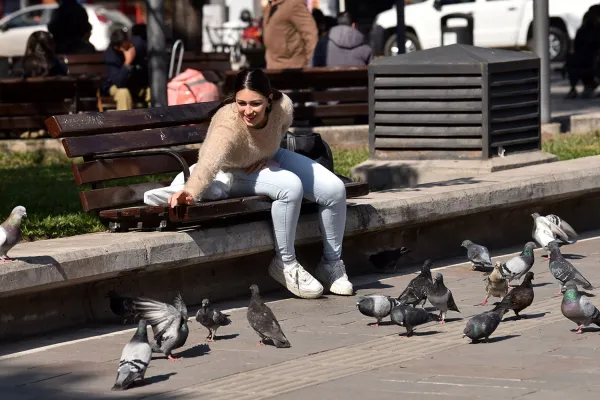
(230, 143)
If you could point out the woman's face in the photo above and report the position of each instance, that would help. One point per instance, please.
(252, 107)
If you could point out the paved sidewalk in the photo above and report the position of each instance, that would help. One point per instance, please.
(334, 354)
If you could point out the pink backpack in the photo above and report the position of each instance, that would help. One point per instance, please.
(191, 87)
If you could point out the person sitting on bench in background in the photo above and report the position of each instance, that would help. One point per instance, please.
(244, 139)
(126, 70)
(40, 58)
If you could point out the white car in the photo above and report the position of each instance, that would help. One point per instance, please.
(16, 27)
(497, 23)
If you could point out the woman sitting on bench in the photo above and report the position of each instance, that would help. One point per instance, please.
(243, 139)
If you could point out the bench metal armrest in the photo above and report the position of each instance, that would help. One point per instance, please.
(154, 152)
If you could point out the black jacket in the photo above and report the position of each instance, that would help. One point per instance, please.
(133, 77)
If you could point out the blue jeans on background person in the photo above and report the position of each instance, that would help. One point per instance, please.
(296, 178)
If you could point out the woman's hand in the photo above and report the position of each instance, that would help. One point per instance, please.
(181, 197)
(259, 165)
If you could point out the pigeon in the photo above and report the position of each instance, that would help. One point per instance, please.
(120, 305)
(409, 317)
(387, 260)
(519, 265)
(441, 297)
(481, 326)
(375, 306)
(578, 308)
(562, 224)
(563, 271)
(135, 358)
(169, 323)
(211, 319)
(544, 231)
(263, 321)
(416, 291)
(495, 284)
(478, 254)
(520, 297)
(10, 232)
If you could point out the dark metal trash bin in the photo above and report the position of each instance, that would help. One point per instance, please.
(464, 34)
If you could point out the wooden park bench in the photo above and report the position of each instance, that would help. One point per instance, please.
(26, 103)
(321, 96)
(139, 143)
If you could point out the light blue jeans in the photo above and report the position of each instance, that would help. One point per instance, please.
(297, 177)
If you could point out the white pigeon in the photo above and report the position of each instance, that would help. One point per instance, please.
(544, 231)
(564, 225)
(10, 232)
(135, 358)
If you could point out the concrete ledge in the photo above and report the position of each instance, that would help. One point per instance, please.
(585, 123)
(393, 174)
(62, 282)
(23, 145)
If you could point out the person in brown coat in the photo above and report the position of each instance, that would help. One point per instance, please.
(290, 34)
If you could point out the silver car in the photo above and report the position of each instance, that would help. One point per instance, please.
(16, 27)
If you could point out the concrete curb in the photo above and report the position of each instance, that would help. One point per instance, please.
(69, 261)
(585, 123)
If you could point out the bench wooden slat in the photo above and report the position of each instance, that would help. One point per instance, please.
(97, 199)
(331, 111)
(118, 168)
(95, 123)
(330, 95)
(214, 209)
(47, 108)
(133, 140)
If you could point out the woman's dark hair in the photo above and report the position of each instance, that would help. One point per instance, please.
(252, 79)
(39, 54)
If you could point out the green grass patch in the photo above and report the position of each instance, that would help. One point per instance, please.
(344, 160)
(570, 146)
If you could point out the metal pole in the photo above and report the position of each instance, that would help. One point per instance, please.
(400, 28)
(157, 54)
(542, 48)
(342, 6)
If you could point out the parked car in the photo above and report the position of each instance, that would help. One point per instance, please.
(499, 23)
(16, 27)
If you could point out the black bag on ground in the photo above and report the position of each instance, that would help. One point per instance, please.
(311, 145)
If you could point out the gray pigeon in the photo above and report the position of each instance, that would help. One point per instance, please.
(578, 308)
(263, 321)
(481, 326)
(519, 265)
(375, 306)
(566, 228)
(416, 291)
(441, 297)
(169, 323)
(387, 260)
(211, 319)
(409, 317)
(10, 232)
(135, 358)
(563, 271)
(478, 255)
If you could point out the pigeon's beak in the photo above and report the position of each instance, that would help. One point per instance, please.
(25, 214)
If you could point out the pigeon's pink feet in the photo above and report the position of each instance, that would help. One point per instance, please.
(376, 324)
(171, 358)
(483, 303)
(579, 330)
(7, 259)
(210, 340)
(260, 343)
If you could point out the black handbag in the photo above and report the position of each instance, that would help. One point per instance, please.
(311, 145)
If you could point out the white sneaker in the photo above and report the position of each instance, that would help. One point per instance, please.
(333, 275)
(295, 279)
